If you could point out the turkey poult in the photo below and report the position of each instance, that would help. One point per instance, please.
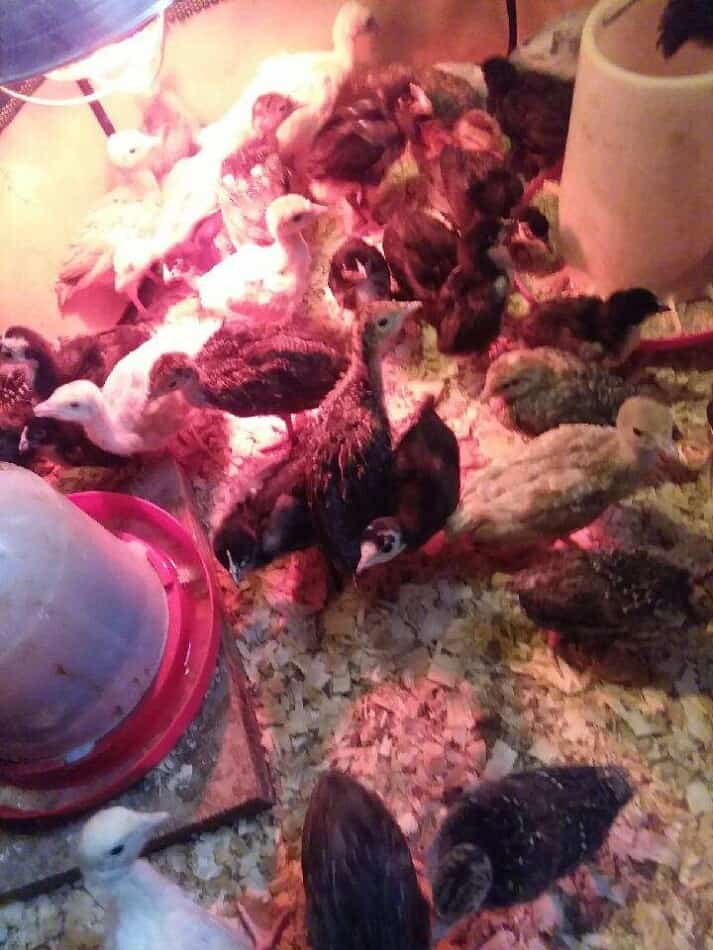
(312, 79)
(427, 485)
(589, 326)
(358, 274)
(360, 883)
(596, 597)
(685, 21)
(265, 282)
(253, 373)
(254, 176)
(347, 444)
(505, 842)
(16, 403)
(274, 521)
(533, 110)
(533, 391)
(564, 479)
(146, 910)
(119, 417)
(88, 356)
(119, 225)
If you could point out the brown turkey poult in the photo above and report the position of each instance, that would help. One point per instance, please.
(595, 597)
(253, 373)
(255, 175)
(537, 390)
(533, 111)
(564, 479)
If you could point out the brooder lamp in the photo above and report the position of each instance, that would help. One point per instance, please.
(103, 45)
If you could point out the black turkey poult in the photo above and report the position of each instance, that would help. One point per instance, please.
(348, 446)
(358, 273)
(505, 842)
(427, 485)
(685, 21)
(360, 883)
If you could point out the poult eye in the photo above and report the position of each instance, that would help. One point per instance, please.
(298, 218)
(117, 850)
(74, 405)
(637, 432)
(382, 323)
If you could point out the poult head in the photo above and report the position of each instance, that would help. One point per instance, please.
(23, 345)
(647, 428)
(38, 434)
(352, 21)
(380, 322)
(701, 596)
(270, 111)
(512, 376)
(381, 542)
(113, 839)
(291, 214)
(629, 308)
(79, 402)
(16, 347)
(617, 781)
(171, 372)
(460, 884)
(130, 148)
(500, 75)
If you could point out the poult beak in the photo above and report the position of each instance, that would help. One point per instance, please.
(368, 552)
(439, 931)
(411, 307)
(318, 210)
(44, 410)
(422, 104)
(152, 820)
(670, 449)
(24, 444)
(663, 307)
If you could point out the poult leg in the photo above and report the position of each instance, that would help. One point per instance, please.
(262, 938)
(289, 425)
(671, 304)
(133, 294)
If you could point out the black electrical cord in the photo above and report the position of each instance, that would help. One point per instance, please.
(97, 108)
(512, 24)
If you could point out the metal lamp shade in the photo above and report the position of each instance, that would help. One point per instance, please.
(37, 36)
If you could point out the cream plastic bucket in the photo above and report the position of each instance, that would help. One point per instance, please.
(636, 200)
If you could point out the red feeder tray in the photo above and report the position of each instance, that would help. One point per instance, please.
(57, 787)
(683, 341)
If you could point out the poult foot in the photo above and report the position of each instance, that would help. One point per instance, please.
(262, 938)
(671, 304)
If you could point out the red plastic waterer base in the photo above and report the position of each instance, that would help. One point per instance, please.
(52, 788)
